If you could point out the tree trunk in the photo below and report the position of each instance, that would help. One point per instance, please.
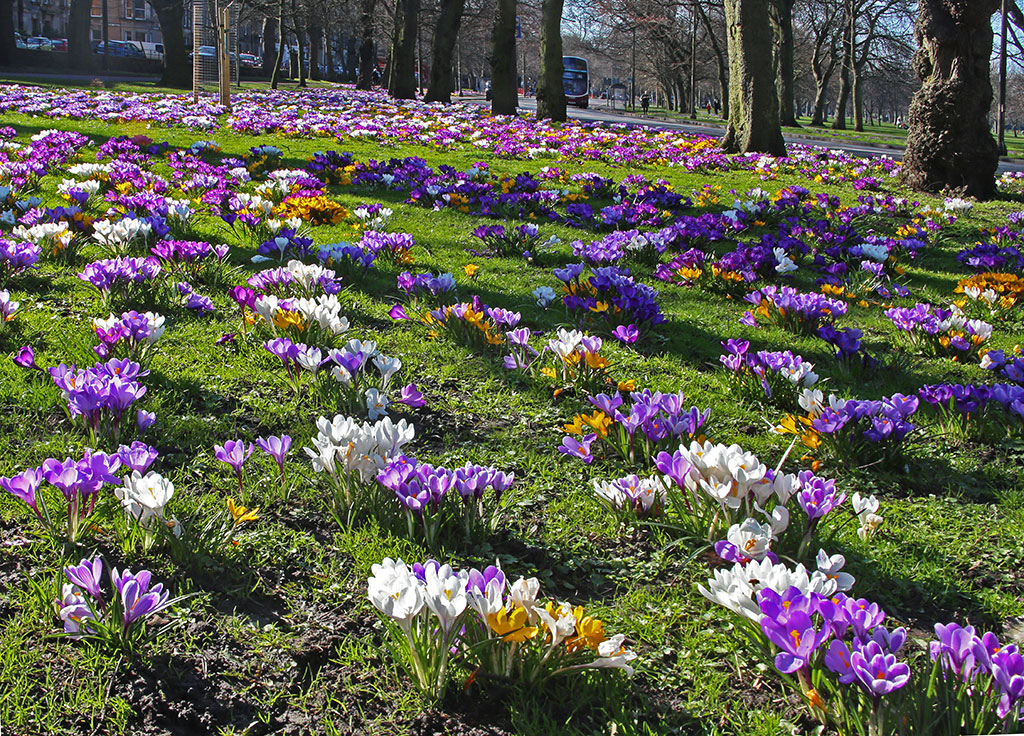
(445, 35)
(786, 75)
(949, 144)
(300, 41)
(367, 62)
(79, 50)
(504, 95)
(845, 70)
(858, 102)
(753, 99)
(282, 40)
(177, 69)
(550, 91)
(269, 44)
(402, 79)
(316, 39)
(820, 101)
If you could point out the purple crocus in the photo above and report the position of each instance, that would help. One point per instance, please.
(234, 453)
(138, 456)
(795, 635)
(879, 673)
(137, 599)
(24, 486)
(276, 447)
(86, 575)
(570, 446)
(144, 419)
(626, 334)
(26, 358)
(411, 396)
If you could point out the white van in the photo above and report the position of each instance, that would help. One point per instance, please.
(151, 50)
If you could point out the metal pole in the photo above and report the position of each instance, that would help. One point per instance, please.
(632, 79)
(1001, 138)
(458, 64)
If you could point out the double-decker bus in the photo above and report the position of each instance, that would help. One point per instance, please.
(576, 80)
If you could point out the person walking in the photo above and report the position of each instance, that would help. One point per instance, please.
(645, 102)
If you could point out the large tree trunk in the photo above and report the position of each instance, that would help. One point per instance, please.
(177, 69)
(79, 50)
(316, 40)
(753, 99)
(845, 69)
(504, 97)
(550, 91)
(402, 79)
(367, 62)
(786, 82)
(445, 35)
(949, 145)
(269, 44)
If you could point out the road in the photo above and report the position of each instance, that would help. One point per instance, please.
(857, 149)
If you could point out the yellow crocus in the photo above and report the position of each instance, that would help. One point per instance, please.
(511, 625)
(240, 513)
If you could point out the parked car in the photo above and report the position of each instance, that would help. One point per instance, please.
(60, 44)
(19, 41)
(119, 48)
(250, 60)
(38, 43)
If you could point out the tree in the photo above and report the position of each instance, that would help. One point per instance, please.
(753, 98)
(269, 44)
(177, 70)
(402, 79)
(949, 145)
(784, 33)
(367, 60)
(79, 50)
(721, 57)
(504, 98)
(822, 19)
(550, 92)
(446, 34)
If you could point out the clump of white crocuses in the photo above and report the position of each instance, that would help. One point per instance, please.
(351, 453)
(714, 488)
(439, 618)
(118, 238)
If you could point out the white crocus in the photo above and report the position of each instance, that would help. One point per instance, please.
(831, 567)
(445, 595)
(751, 538)
(736, 588)
(395, 592)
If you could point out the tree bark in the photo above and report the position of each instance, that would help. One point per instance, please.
(753, 98)
(79, 50)
(269, 44)
(282, 40)
(550, 91)
(316, 39)
(402, 79)
(949, 145)
(846, 62)
(300, 41)
(786, 82)
(367, 62)
(177, 70)
(445, 35)
(504, 97)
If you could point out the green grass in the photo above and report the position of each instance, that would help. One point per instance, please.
(279, 630)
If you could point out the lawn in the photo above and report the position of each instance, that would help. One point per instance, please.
(272, 630)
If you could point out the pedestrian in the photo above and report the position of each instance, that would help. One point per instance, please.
(718, 106)
(645, 102)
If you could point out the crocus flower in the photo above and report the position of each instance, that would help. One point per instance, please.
(276, 447)
(86, 575)
(234, 453)
(137, 598)
(144, 419)
(26, 358)
(24, 486)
